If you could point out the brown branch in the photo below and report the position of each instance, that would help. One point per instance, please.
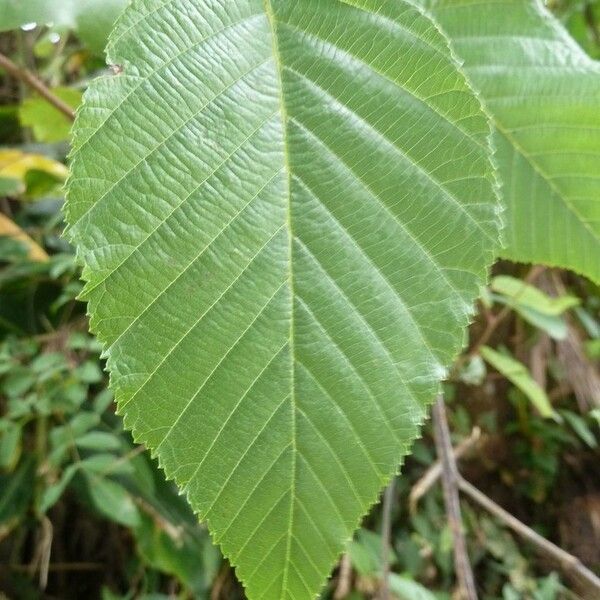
(434, 472)
(571, 565)
(386, 535)
(450, 482)
(344, 583)
(34, 83)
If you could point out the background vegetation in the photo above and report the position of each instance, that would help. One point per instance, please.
(85, 513)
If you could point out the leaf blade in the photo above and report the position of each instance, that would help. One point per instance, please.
(249, 389)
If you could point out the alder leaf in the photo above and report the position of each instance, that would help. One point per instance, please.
(543, 94)
(285, 210)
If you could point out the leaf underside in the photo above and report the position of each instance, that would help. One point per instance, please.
(543, 94)
(285, 210)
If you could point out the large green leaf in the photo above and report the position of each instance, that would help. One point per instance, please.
(543, 94)
(285, 210)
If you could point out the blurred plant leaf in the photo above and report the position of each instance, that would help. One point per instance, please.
(10, 443)
(580, 427)
(524, 295)
(99, 440)
(405, 588)
(48, 123)
(517, 373)
(16, 490)
(15, 165)
(365, 553)
(113, 501)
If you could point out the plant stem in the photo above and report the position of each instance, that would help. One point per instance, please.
(570, 564)
(34, 83)
(450, 482)
(386, 535)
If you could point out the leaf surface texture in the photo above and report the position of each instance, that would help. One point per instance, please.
(285, 210)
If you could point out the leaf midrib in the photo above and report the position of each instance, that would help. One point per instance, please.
(286, 158)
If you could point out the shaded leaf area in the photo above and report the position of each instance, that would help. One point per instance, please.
(281, 266)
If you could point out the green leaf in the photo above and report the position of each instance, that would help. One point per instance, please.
(580, 427)
(52, 493)
(542, 93)
(99, 440)
(113, 501)
(526, 295)
(518, 374)
(554, 325)
(365, 553)
(285, 211)
(404, 588)
(10, 444)
(47, 122)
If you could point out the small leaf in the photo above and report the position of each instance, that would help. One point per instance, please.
(9, 230)
(14, 166)
(99, 440)
(53, 493)
(113, 501)
(517, 373)
(365, 553)
(10, 444)
(554, 325)
(47, 122)
(580, 427)
(524, 295)
(405, 588)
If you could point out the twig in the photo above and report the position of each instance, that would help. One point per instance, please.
(450, 482)
(571, 565)
(386, 535)
(344, 582)
(34, 83)
(434, 472)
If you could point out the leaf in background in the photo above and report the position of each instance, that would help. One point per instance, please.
(11, 231)
(10, 443)
(15, 165)
(542, 92)
(48, 123)
(16, 490)
(99, 440)
(517, 373)
(536, 307)
(285, 211)
(580, 427)
(113, 501)
(365, 553)
(92, 19)
(526, 295)
(404, 588)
